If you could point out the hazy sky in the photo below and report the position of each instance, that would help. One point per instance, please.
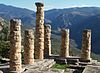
(49, 4)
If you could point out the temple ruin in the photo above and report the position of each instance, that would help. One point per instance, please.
(37, 47)
(40, 48)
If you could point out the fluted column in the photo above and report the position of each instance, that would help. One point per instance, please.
(64, 43)
(15, 46)
(47, 41)
(29, 47)
(86, 45)
(39, 38)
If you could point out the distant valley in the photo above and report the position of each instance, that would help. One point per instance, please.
(76, 19)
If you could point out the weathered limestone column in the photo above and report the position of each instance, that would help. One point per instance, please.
(65, 43)
(29, 47)
(47, 41)
(39, 38)
(15, 46)
(86, 45)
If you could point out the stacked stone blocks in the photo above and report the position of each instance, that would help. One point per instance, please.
(29, 47)
(39, 41)
(47, 41)
(64, 43)
(15, 45)
(86, 45)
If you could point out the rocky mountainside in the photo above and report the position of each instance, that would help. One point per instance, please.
(77, 19)
(9, 12)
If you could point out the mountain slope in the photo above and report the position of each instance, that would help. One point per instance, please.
(76, 19)
(9, 12)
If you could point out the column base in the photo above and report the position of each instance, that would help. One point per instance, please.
(85, 60)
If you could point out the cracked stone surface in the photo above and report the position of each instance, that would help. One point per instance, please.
(95, 68)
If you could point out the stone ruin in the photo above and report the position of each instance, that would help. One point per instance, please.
(47, 41)
(40, 47)
(15, 45)
(86, 45)
(39, 41)
(29, 47)
(65, 43)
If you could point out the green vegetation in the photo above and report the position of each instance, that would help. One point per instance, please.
(56, 44)
(74, 51)
(60, 66)
(4, 41)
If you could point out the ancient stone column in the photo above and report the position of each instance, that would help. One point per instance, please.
(64, 43)
(86, 45)
(29, 47)
(15, 46)
(39, 38)
(47, 41)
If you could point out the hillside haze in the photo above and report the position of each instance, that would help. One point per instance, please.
(77, 19)
(9, 12)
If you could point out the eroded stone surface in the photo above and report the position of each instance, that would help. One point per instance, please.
(92, 69)
(29, 47)
(15, 45)
(47, 41)
(65, 43)
(39, 38)
(40, 66)
(86, 45)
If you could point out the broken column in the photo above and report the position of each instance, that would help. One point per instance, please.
(64, 43)
(39, 38)
(47, 41)
(15, 46)
(29, 47)
(86, 45)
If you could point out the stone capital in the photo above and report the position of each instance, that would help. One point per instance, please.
(38, 4)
